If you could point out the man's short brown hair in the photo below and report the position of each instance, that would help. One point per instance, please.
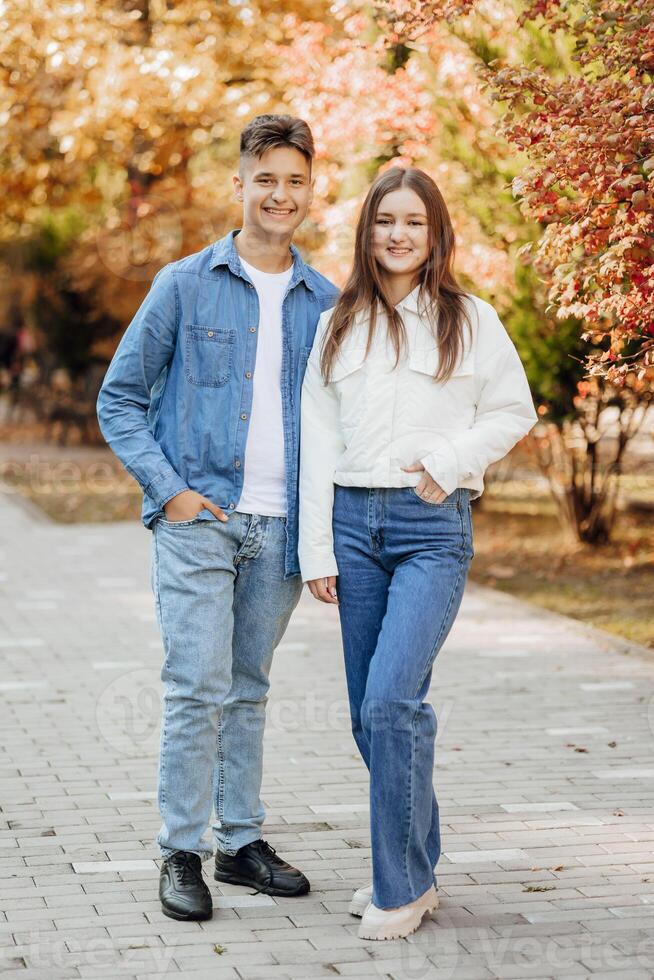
(266, 132)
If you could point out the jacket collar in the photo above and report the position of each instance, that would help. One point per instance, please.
(223, 252)
(410, 303)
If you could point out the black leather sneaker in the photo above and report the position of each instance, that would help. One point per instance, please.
(183, 892)
(258, 866)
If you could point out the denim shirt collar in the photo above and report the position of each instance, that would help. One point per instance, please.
(223, 252)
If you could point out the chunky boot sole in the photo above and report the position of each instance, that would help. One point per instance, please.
(396, 932)
(302, 889)
(187, 916)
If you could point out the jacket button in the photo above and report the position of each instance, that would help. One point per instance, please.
(232, 506)
(244, 416)
(209, 333)
(253, 329)
(237, 464)
(248, 374)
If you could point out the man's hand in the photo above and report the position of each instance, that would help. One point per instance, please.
(188, 504)
(428, 489)
(324, 589)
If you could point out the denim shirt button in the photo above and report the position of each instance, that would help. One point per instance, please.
(237, 464)
(244, 416)
(248, 374)
(232, 506)
(209, 333)
(253, 329)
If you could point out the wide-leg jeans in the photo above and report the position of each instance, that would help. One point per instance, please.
(402, 565)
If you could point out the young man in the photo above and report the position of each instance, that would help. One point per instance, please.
(201, 404)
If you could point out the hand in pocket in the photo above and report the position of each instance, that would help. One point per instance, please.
(188, 504)
(427, 488)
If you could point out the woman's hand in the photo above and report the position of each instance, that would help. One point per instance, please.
(428, 489)
(324, 589)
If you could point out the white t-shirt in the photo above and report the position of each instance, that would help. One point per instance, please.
(264, 472)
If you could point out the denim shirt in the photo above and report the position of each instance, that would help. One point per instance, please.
(175, 403)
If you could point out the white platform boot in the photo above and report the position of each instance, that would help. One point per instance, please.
(360, 901)
(397, 923)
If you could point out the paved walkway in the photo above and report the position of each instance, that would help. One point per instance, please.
(545, 774)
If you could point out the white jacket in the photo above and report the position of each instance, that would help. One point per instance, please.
(371, 420)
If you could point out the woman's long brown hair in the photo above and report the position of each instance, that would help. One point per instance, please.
(365, 289)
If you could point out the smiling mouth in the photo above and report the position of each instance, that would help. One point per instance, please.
(279, 212)
(399, 251)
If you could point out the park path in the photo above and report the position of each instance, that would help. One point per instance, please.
(545, 776)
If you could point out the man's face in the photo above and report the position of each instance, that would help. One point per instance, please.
(275, 190)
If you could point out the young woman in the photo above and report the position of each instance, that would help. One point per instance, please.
(413, 388)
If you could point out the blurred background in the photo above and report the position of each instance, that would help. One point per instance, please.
(118, 138)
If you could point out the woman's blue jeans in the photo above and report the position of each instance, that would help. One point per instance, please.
(402, 567)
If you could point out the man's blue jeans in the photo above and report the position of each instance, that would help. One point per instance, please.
(402, 571)
(223, 606)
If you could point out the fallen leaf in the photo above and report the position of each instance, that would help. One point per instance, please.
(502, 571)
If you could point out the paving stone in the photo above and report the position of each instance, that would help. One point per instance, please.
(520, 808)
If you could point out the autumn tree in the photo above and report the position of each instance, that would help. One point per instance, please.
(375, 101)
(582, 131)
(589, 139)
(119, 134)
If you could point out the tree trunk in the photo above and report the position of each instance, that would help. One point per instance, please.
(582, 466)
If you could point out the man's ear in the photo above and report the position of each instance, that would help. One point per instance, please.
(238, 187)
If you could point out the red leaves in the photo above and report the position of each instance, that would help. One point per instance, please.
(591, 150)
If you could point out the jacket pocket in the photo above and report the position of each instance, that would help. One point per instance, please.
(351, 383)
(347, 362)
(209, 352)
(425, 360)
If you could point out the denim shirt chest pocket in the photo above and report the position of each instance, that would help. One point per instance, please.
(208, 354)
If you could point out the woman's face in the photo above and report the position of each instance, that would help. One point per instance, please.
(401, 233)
